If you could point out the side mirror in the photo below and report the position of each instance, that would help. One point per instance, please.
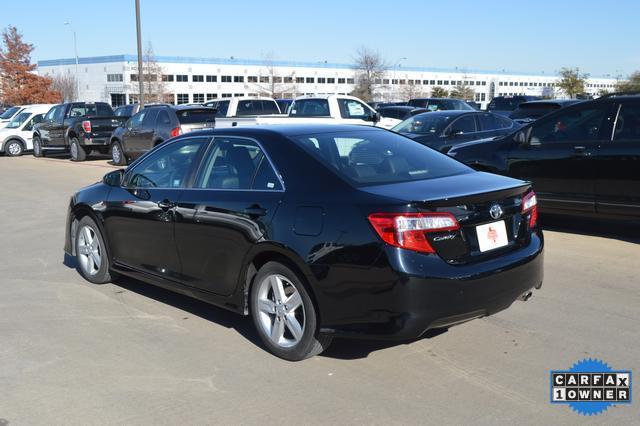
(114, 178)
(453, 133)
(376, 117)
(127, 124)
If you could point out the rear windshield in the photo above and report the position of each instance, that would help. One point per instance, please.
(505, 104)
(9, 113)
(424, 124)
(372, 157)
(81, 110)
(190, 116)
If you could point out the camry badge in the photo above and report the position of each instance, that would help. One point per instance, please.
(495, 211)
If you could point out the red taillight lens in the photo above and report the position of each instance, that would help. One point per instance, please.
(530, 205)
(86, 126)
(176, 132)
(409, 230)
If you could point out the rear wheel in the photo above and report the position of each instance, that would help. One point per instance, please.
(91, 255)
(117, 154)
(37, 147)
(77, 151)
(13, 148)
(284, 314)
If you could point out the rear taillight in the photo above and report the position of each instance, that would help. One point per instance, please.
(86, 126)
(176, 132)
(409, 230)
(530, 205)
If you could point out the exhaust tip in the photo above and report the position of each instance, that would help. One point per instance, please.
(526, 296)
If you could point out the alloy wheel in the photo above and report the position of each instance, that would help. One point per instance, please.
(14, 148)
(281, 311)
(116, 155)
(74, 151)
(89, 251)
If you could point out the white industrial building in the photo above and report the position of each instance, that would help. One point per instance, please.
(113, 79)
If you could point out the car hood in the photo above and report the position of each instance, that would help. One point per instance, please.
(445, 188)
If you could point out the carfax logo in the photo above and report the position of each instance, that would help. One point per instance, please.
(590, 387)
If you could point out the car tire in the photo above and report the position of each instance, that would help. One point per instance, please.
(91, 253)
(13, 148)
(117, 154)
(37, 147)
(78, 153)
(288, 331)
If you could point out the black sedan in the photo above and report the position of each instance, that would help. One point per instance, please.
(314, 231)
(583, 159)
(443, 129)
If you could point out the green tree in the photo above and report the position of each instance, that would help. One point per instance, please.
(439, 92)
(631, 84)
(572, 81)
(464, 92)
(369, 66)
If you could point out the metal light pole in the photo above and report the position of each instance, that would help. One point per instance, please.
(140, 76)
(75, 51)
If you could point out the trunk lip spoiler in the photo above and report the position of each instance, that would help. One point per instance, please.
(474, 197)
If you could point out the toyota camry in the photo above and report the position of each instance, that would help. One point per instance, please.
(315, 232)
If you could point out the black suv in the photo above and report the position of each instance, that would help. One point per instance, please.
(583, 159)
(154, 125)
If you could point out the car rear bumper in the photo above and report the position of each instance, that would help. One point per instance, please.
(96, 140)
(433, 294)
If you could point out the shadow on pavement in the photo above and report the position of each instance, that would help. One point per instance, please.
(620, 230)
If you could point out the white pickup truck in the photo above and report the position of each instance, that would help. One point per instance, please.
(311, 109)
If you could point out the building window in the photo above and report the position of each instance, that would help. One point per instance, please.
(212, 78)
(299, 79)
(332, 80)
(277, 79)
(238, 79)
(403, 81)
(439, 82)
(351, 81)
(212, 96)
(394, 81)
(167, 77)
(117, 99)
(227, 95)
(183, 98)
(342, 80)
(446, 82)
(322, 80)
(288, 79)
(182, 78)
(410, 82)
(238, 94)
(114, 77)
(252, 79)
(197, 78)
(264, 79)
(198, 98)
(226, 79)
(432, 82)
(472, 83)
(385, 81)
(309, 80)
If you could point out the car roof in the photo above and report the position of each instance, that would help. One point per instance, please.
(435, 99)
(188, 107)
(290, 129)
(400, 107)
(553, 101)
(450, 112)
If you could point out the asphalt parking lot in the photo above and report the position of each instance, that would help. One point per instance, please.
(74, 352)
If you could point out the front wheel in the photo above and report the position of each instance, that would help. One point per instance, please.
(117, 154)
(13, 148)
(37, 147)
(77, 151)
(91, 253)
(284, 314)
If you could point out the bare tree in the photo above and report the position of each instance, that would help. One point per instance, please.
(65, 84)
(153, 84)
(271, 82)
(411, 91)
(369, 67)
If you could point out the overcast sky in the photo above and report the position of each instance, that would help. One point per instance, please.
(523, 36)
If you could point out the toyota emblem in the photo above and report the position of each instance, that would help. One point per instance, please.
(495, 211)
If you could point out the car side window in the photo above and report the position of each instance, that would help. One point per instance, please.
(463, 125)
(249, 107)
(34, 120)
(237, 164)
(628, 123)
(51, 114)
(150, 118)
(136, 121)
(488, 122)
(309, 108)
(350, 108)
(58, 118)
(168, 167)
(223, 107)
(577, 124)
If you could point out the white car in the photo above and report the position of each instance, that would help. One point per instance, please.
(17, 135)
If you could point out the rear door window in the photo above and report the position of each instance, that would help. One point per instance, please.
(223, 107)
(628, 123)
(463, 125)
(163, 118)
(150, 118)
(249, 107)
(270, 107)
(574, 125)
(352, 109)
